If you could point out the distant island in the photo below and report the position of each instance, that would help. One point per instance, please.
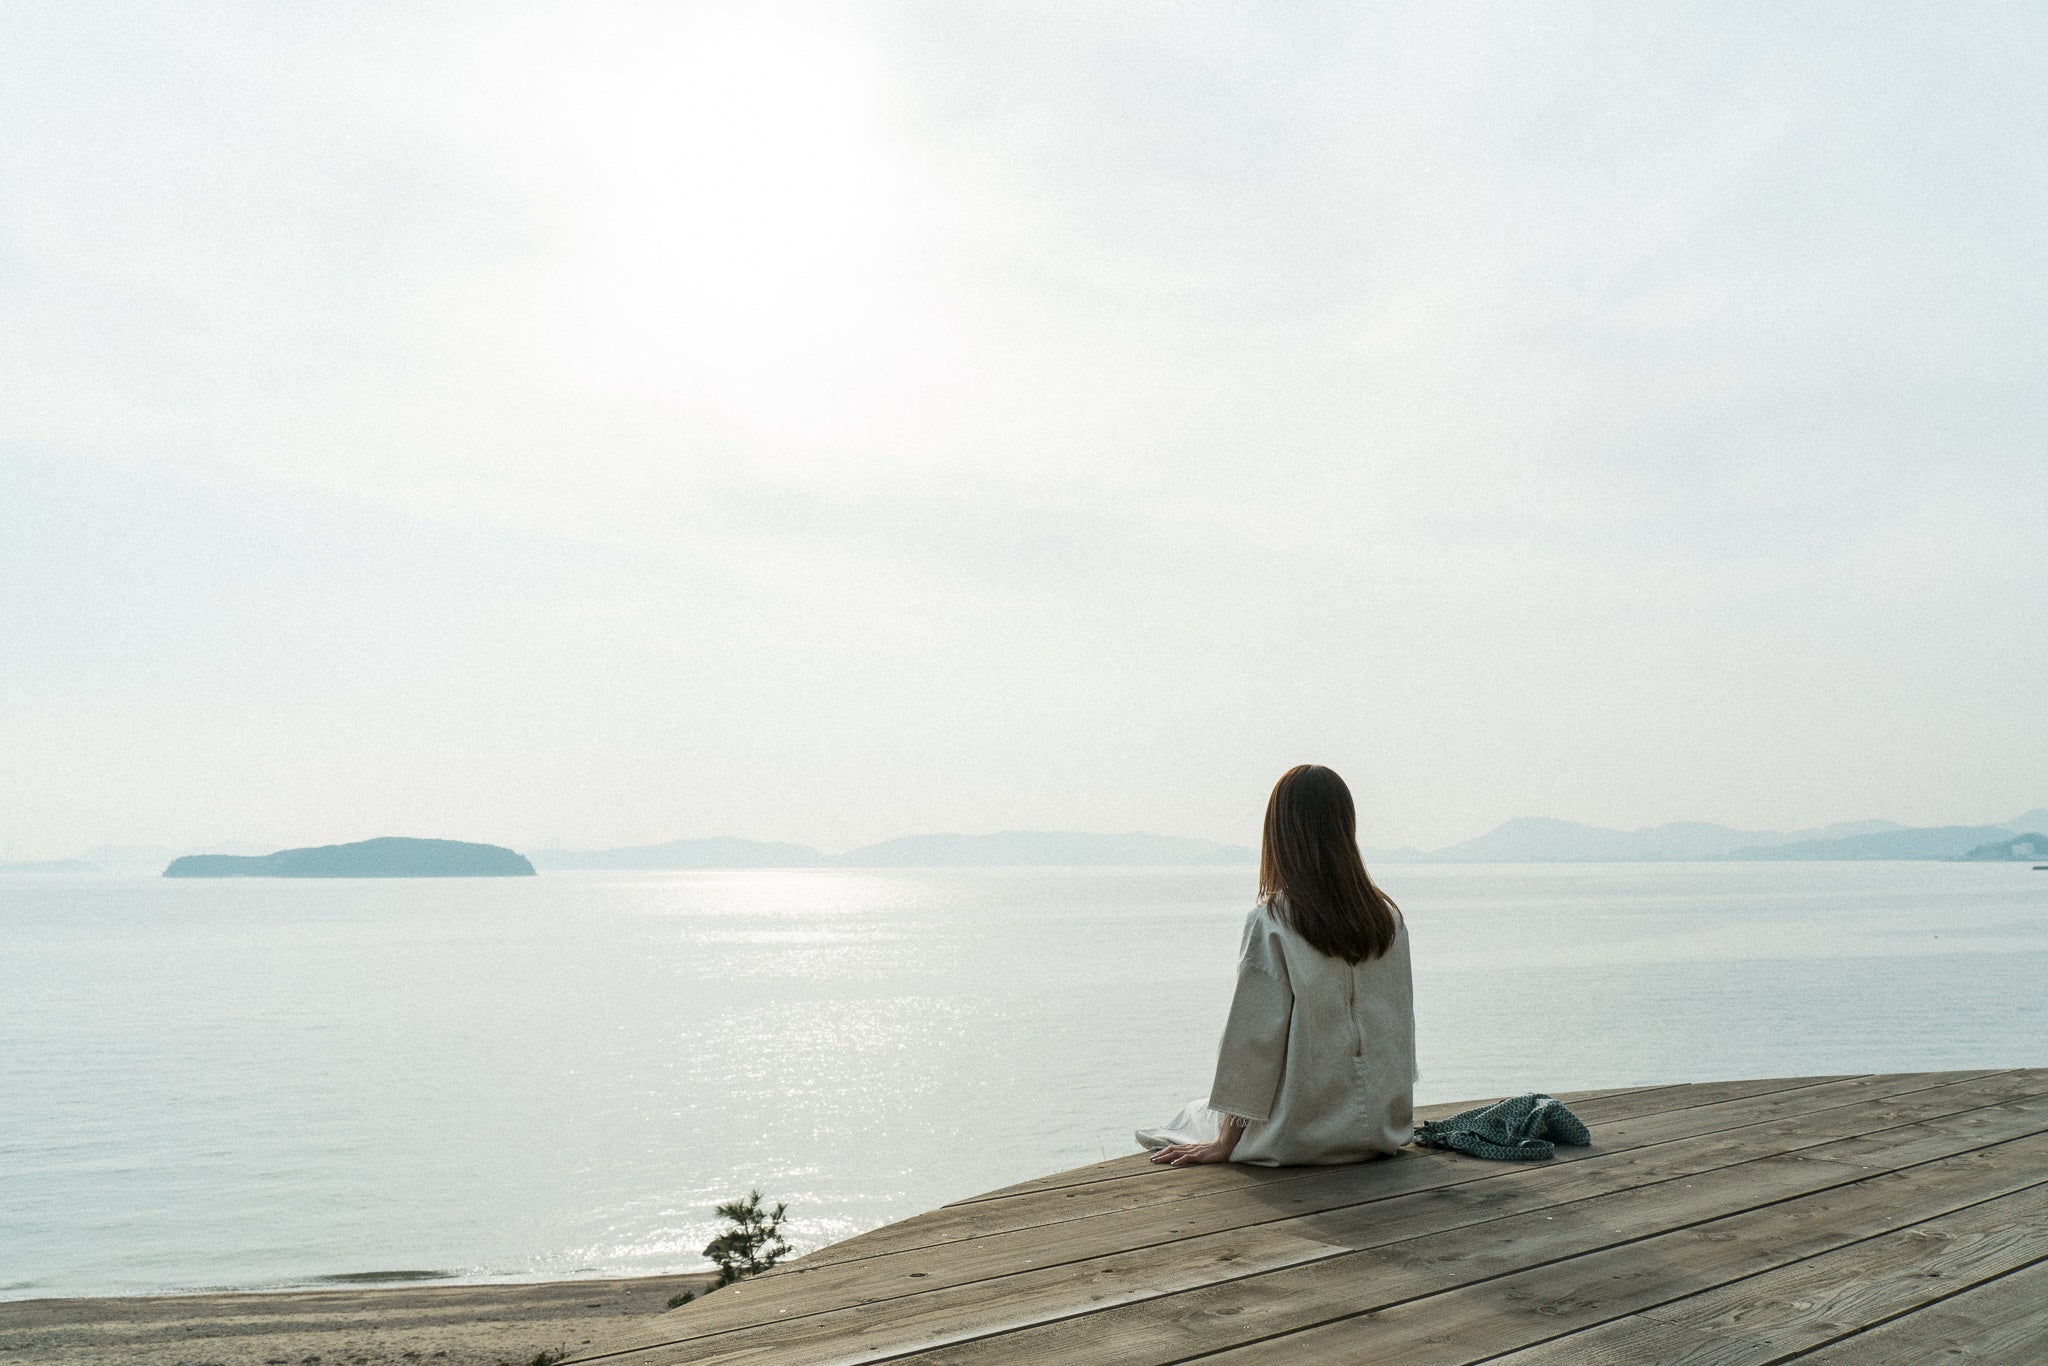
(389, 857)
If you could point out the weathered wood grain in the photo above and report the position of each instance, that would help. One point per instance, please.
(1688, 1194)
(1480, 1321)
(1617, 1103)
(1127, 1165)
(1484, 1289)
(1622, 1120)
(2003, 1320)
(1761, 1319)
(1239, 1205)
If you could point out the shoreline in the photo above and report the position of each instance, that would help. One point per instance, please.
(490, 1324)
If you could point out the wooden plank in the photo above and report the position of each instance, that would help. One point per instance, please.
(1481, 1321)
(1442, 1109)
(1614, 1104)
(1323, 1191)
(1110, 1169)
(1909, 1145)
(1716, 1104)
(929, 1270)
(1764, 1318)
(1056, 1292)
(1395, 1302)
(1136, 1163)
(2005, 1320)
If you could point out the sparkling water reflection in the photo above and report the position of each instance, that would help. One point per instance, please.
(262, 1082)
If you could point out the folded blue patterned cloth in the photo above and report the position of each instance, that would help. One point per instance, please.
(1518, 1129)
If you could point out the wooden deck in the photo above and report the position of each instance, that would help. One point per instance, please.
(1837, 1221)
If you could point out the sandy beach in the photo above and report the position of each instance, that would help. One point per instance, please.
(428, 1325)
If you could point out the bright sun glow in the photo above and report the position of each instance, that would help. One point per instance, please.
(741, 232)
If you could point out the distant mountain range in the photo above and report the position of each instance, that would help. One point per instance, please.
(129, 858)
(1538, 840)
(1530, 839)
(722, 852)
(2010, 849)
(1009, 849)
(120, 858)
(53, 866)
(1937, 842)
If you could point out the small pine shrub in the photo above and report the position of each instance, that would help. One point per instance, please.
(753, 1244)
(678, 1301)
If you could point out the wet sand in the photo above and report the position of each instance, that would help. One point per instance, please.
(427, 1325)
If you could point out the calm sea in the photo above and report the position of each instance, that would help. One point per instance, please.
(263, 1083)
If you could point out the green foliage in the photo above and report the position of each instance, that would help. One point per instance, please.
(753, 1243)
(678, 1301)
(560, 1354)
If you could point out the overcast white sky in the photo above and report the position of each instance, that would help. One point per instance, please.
(601, 423)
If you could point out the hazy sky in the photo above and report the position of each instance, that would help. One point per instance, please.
(601, 423)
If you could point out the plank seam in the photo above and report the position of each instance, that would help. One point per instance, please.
(1307, 1173)
(1481, 1174)
(992, 1197)
(1908, 1313)
(1226, 1280)
(1639, 1311)
(1534, 1266)
(1795, 1261)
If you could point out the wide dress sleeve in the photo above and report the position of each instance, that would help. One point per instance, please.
(1253, 1054)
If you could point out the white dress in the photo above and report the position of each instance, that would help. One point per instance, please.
(1318, 1055)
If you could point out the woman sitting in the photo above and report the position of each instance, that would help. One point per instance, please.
(1317, 1063)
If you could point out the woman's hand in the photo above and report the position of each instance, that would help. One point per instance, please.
(1190, 1154)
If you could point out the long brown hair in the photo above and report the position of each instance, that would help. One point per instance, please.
(1310, 859)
